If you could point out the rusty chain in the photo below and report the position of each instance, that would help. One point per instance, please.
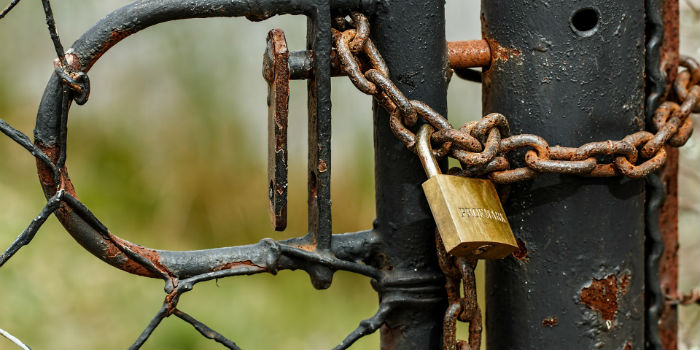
(464, 309)
(482, 146)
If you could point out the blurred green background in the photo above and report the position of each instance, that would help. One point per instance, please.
(170, 153)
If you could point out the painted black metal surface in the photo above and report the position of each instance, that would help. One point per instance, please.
(404, 222)
(319, 107)
(571, 72)
(654, 248)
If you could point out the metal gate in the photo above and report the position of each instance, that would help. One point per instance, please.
(591, 221)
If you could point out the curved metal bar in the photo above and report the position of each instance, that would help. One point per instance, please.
(92, 234)
(205, 331)
(142, 14)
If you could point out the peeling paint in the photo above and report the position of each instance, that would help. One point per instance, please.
(115, 37)
(502, 53)
(601, 295)
(624, 284)
(550, 321)
(521, 252)
(322, 166)
(235, 264)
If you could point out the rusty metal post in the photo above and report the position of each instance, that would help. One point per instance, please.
(411, 36)
(668, 212)
(571, 72)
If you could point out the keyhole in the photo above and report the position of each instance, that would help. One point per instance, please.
(585, 21)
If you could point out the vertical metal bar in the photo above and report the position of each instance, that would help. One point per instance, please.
(411, 36)
(276, 73)
(668, 213)
(319, 107)
(318, 40)
(572, 72)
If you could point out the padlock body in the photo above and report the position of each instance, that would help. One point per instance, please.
(469, 216)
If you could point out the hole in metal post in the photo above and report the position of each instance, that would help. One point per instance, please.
(585, 21)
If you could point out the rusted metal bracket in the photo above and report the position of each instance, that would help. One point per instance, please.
(276, 73)
(468, 54)
(465, 55)
(462, 55)
(662, 257)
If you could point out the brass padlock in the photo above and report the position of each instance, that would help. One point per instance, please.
(467, 211)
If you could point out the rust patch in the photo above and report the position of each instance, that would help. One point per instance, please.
(521, 252)
(468, 53)
(668, 264)
(601, 296)
(502, 53)
(72, 62)
(235, 264)
(669, 48)
(45, 175)
(112, 254)
(322, 166)
(276, 73)
(550, 322)
(112, 251)
(628, 346)
(149, 254)
(624, 283)
(115, 37)
(313, 186)
(309, 247)
(132, 266)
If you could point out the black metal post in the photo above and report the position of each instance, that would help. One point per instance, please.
(571, 72)
(411, 37)
(318, 40)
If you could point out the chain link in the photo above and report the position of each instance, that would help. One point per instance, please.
(464, 309)
(482, 146)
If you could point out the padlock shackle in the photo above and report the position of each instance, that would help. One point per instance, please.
(425, 151)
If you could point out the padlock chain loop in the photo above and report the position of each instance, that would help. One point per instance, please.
(464, 309)
(596, 159)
